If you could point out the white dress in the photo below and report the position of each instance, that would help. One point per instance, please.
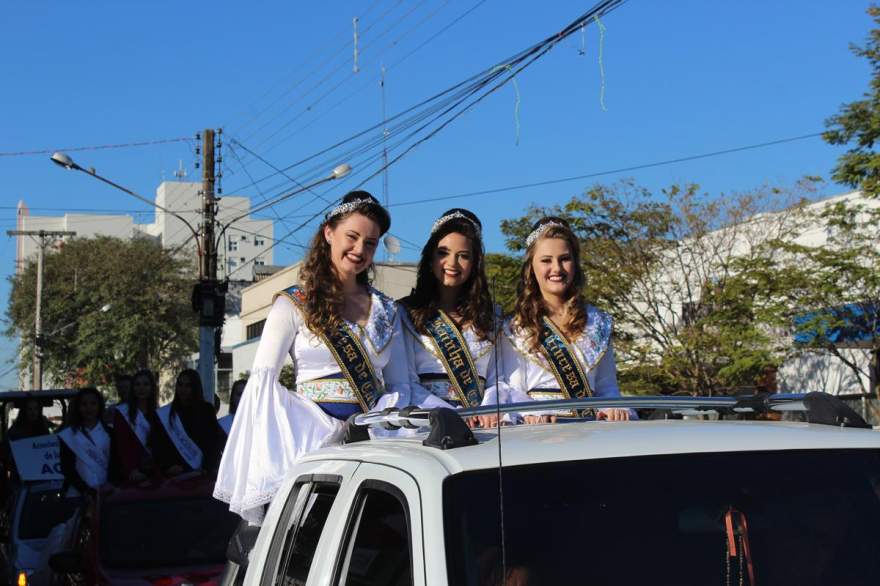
(530, 378)
(432, 374)
(274, 427)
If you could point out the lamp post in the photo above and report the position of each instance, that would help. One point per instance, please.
(209, 295)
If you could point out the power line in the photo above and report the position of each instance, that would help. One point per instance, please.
(95, 148)
(456, 101)
(608, 172)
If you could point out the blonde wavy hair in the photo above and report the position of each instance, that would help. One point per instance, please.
(530, 308)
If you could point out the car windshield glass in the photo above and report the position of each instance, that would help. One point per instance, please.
(43, 510)
(810, 517)
(165, 533)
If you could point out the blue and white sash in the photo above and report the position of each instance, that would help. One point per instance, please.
(351, 357)
(92, 450)
(225, 423)
(140, 426)
(456, 359)
(189, 451)
(564, 363)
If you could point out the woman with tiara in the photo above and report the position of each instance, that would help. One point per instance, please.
(557, 346)
(452, 325)
(346, 343)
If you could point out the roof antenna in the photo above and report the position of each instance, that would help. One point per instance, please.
(180, 173)
(354, 23)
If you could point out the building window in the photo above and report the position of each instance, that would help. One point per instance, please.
(259, 242)
(233, 245)
(255, 330)
(243, 238)
(242, 260)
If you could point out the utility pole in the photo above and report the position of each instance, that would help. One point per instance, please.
(208, 270)
(44, 236)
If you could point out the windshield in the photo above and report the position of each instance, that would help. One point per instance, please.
(165, 533)
(813, 517)
(43, 510)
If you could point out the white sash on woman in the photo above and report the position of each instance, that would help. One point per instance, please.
(225, 423)
(140, 426)
(92, 450)
(188, 449)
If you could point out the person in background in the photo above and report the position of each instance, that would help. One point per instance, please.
(235, 393)
(185, 433)
(556, 345)
(86, 445)
(29, 422)
(452, 325)
(131, 427)
(122, 383)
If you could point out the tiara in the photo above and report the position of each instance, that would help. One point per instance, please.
(536, 233)
(455, 216)
(349, 206)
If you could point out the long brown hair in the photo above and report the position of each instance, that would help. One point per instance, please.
(152, 400)
(474, 302)
(530, 308)
(324, 298)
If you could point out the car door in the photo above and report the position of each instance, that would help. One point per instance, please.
(285, 550)
(380, 541)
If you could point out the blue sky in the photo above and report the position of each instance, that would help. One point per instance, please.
(682, 77)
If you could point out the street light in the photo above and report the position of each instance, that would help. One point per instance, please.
(65, 161)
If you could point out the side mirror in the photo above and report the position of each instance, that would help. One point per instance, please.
(66, 562)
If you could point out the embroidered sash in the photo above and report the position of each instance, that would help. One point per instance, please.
(457, 360)
(140, 426)
(225, 423)
(92, 450)
(189, 451)
(351, 357)
(564, 363)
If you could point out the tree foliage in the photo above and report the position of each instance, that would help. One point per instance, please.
(857, 124)
(665, 267)
(149, 322)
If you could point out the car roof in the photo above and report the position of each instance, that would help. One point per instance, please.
(534, 444)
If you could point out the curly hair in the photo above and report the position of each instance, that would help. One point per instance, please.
(530, 308)
(152, 400)
(474, 301)
(324, 297)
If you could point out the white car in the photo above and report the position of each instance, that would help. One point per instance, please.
(667, 501)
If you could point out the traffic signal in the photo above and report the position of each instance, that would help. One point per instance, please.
(209, 301)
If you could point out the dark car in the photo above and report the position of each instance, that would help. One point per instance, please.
(165, 534)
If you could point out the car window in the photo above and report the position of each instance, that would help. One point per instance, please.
(809, 516)
(378, 545)
(43, 510)
(302, 538)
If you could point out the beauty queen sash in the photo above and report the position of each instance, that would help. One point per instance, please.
(189, 451)
(140, 426)
(92, 450)
(225, 423)
(351, 357)
(457, 360)
(563, 362)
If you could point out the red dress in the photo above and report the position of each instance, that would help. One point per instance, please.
(131, 454)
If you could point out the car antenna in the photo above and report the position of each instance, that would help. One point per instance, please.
(498, 337)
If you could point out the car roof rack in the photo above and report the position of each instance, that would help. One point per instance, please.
(448, 429)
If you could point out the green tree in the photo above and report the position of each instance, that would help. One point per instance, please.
(858, 124)
(816, 290)
(664, 266)
(149, 321)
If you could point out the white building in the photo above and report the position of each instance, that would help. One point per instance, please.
(246, 243)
